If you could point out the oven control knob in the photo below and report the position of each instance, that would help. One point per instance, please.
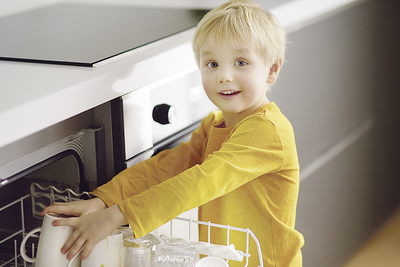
(164, 114)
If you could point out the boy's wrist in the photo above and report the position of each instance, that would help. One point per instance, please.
(117, 217)
(99, 203)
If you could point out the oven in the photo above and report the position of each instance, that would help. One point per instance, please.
(64, 161)
(156, 117)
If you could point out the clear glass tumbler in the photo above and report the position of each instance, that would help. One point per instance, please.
(137, 252)
(174, 254)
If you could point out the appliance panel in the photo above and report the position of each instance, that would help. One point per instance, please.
(188, 102)
(85, 34)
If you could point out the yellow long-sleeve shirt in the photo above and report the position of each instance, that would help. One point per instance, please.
(245, 176)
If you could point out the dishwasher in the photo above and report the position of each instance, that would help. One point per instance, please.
(41, 196)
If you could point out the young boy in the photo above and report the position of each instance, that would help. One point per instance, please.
(240, 166)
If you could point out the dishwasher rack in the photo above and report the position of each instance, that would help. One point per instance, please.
(43, 196)
(228, 228)
(40, 196)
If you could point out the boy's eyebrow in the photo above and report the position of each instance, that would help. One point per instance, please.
(205, 53)
(242, 50)
(239, 50)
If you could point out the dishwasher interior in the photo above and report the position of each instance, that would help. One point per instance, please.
(29, 204)
(22, 201)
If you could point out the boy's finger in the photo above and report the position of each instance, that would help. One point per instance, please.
(62, 222)
(77, 246)
(58, 209)
(71, 241)
(86, 250)
(53, 209)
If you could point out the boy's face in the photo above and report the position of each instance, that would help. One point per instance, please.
(235, 78)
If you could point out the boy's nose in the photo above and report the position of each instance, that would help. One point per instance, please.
(224, 81)
(225, 76)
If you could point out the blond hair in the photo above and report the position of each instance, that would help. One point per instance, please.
(242, 21)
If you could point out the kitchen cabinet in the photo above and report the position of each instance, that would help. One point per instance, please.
(340, 104)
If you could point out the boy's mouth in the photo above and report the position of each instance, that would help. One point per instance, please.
(229, 92)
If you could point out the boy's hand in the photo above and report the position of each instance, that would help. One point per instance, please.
(93, 223)
(75, 208)
(90, 229)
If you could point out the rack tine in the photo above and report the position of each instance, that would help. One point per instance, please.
(209, 232)
(15, 253)
(170, 229)
(247, 245)
(190, 228)
(228, 228)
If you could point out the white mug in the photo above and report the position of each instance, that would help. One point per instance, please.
(106, 253)
(51, 240)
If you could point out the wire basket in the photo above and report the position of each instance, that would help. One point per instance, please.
(229, 229)
(42, 196)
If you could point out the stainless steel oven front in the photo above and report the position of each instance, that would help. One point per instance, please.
(156, 117)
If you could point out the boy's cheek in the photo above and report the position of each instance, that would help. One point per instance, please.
(209, 91)
(207, 83)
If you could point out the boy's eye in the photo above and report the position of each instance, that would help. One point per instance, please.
(240, 63)
(212, 64)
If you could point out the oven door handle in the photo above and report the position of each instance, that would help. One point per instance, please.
(139, 158)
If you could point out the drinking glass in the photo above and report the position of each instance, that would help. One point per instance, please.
(175, 254)
(137, 252)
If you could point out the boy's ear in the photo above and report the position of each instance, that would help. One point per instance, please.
(274, 71)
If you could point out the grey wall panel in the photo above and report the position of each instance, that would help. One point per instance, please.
(335, 209)
(326, 85)
(337, 87)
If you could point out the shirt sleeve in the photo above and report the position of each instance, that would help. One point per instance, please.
(155, 170)
(253, 149)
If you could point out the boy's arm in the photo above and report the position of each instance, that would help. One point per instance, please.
(241, 159)
(155, 170)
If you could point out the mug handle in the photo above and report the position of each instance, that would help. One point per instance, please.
(22, 247)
